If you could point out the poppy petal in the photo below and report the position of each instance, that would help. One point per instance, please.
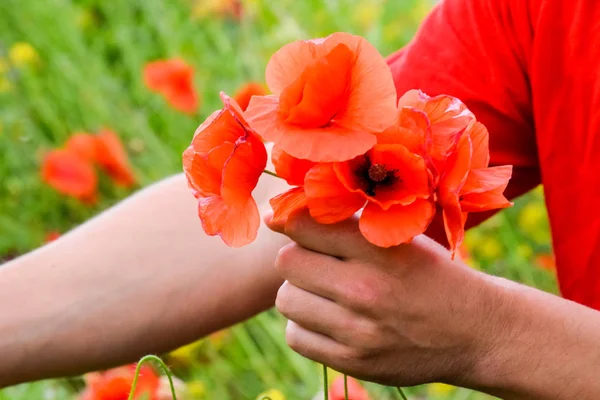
(480, 139)
(245, 93)
(237, 225)
(320, 92)
(485, 179)
(112, 158)
(457, 168)
(292, 169)
(288, 63)
(242, 169)
(84, 145)
(334, 143)
(454, 224)
(486, 201)
(287, 203)
(396, 225)
(411, 130)
(337, 390)
(70, 174)
(449, 117)
(183, 99)
(327, 199)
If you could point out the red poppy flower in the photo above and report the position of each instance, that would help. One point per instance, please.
(448, 118)
(84, 145)
(468, 185)
(51, 236)
(174, 79)
(245, 93)
(355, 390)
(392, 181)
(70, 174)
(115, 384)
(331, 96)
(112, 158)
(222, 166)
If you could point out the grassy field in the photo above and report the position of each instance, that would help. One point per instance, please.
(76, 65)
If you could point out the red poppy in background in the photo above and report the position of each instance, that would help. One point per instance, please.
(84, 145)
(222, 166)
(174, 79)
(70, 174)
(115, 384)
(355, 390)
(51, 236)
(112, 158)
(331, 96)
(245, 93)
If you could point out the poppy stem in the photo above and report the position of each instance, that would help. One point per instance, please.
(345, 387)
(162, 365)
(402, 394)
(325, 385)
(266, 171)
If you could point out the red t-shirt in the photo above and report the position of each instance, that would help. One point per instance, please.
(529, 70)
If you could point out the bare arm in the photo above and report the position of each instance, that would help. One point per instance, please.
(141, 277)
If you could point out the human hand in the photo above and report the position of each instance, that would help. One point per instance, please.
(400, 316)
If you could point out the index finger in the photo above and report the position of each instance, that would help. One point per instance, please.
(342, 240)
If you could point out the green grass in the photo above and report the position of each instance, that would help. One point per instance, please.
(91, 53)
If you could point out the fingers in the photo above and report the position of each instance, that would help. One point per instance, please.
(309, 270)
(314, 345)
(318, 314)
(342, 240)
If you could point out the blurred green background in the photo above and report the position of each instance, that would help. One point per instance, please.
(76, 65)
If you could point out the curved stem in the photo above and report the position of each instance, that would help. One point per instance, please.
(162, 365)
(402, 394)
(345, 387)
(325, 385)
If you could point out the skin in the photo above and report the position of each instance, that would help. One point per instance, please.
(143, 278)
(410, 315)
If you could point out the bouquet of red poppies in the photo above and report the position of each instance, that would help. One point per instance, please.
(346, 144)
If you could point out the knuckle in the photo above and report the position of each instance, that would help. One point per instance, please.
(366, 294)
(286, 258)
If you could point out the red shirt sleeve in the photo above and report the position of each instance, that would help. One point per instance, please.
(479, 51)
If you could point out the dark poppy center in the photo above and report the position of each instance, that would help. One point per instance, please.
(375, 176)
(377, 173)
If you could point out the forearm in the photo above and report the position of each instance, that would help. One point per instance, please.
(544, 347)
(140, 278)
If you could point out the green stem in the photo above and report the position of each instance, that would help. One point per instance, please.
(345, 387)
(162, 365)
(266, 171)
(325, 385)
(402, 394)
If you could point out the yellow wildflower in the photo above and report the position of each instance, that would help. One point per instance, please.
(22, 54)
(490, 248)
(367, 13)
(196, 389)
(272, 394)
(5, 85)
(440, 389)
(187, 353)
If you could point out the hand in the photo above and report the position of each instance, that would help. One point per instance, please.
(401, 316)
